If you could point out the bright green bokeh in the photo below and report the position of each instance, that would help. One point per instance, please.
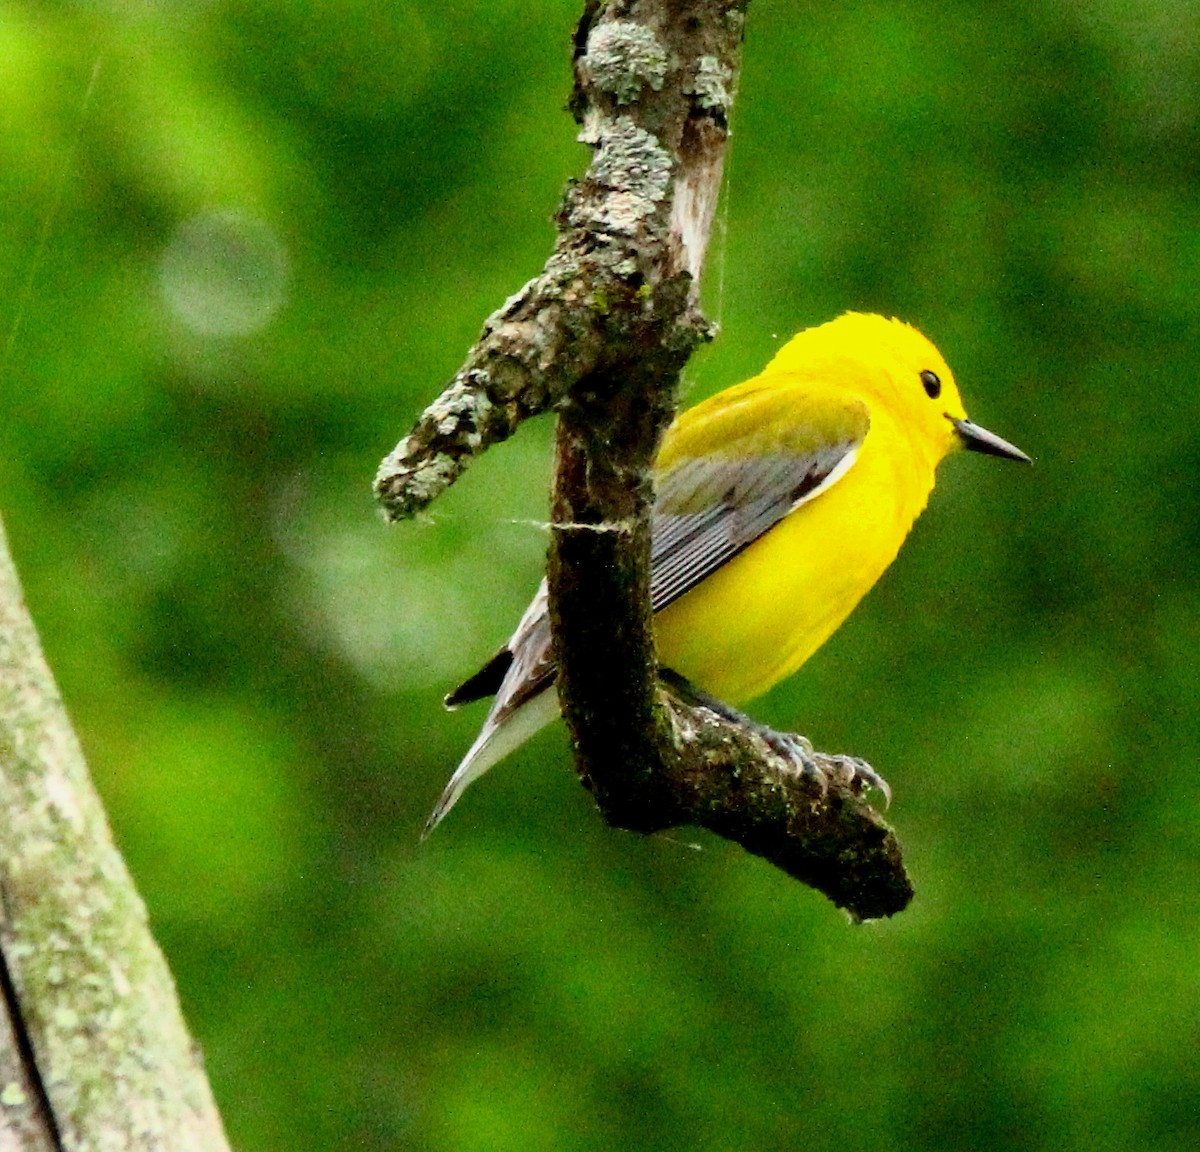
(246, 242)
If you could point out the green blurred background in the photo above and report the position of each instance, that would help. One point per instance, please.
(245, 242)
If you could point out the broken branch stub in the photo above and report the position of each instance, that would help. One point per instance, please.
(652, 100)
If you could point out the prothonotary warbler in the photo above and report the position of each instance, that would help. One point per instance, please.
(778, 504)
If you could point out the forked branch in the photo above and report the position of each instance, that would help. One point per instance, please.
(600, 337)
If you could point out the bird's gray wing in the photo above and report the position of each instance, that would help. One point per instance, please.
(521, 675)
(519, 671)
(709, 508)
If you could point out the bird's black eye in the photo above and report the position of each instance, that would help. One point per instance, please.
(933, 386)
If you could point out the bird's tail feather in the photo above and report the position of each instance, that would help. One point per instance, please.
(495, 741)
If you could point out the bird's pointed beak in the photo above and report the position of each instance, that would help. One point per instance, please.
(978, 439)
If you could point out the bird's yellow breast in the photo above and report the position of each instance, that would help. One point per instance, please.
(758, 618)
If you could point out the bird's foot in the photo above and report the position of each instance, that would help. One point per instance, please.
(795, 749)
(847, 771)
(858, 776)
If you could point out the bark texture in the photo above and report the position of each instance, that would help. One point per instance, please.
(600, 337)
(94, 1053)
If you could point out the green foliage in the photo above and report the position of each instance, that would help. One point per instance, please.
(236, 271)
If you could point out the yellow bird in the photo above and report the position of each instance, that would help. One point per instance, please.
(778, 504)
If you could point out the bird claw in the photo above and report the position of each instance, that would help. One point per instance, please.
(797, 750)
(862, 776)
(850, 771)
(793, 746)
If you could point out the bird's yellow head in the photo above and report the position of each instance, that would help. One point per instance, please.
(891, 364)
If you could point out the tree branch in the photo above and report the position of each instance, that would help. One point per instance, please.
(601, 337)
(94, 1053)
(614, 286)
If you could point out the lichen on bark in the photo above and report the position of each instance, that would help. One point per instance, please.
(622, 56)
(90, 991)
(600, 337)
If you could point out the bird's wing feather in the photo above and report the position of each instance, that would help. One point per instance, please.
(533, 667)
(525, 701)
(729, 471)
(717, 498)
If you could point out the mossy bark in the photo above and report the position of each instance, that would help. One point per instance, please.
(95, 1056)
